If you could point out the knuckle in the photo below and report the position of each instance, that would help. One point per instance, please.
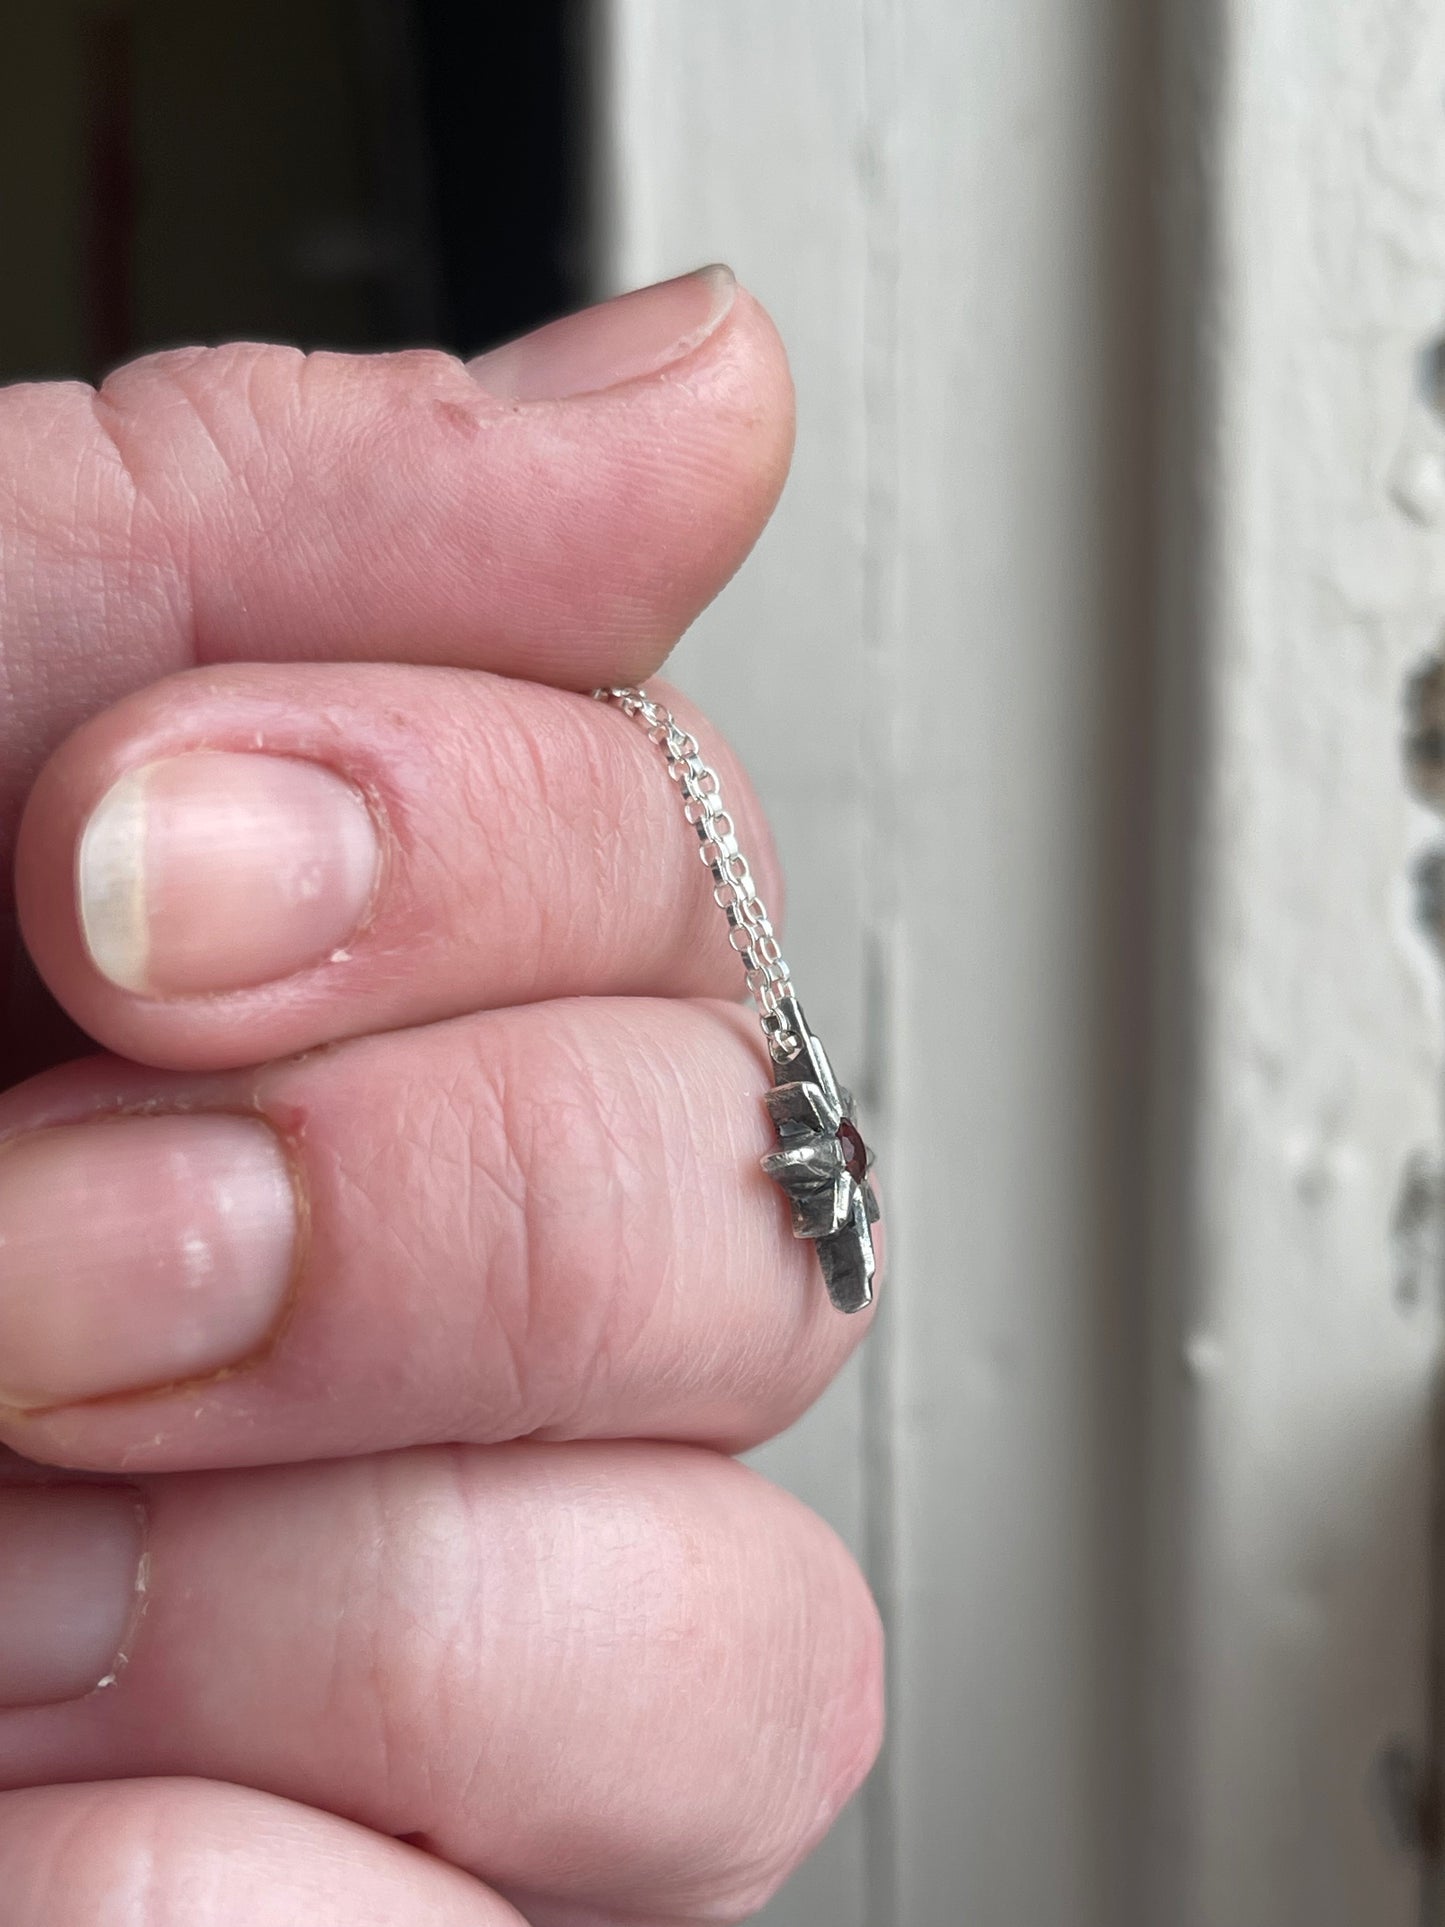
(188, 424)
(392, 1664)
(585, 1157)
(237, 428)
(574, 1171)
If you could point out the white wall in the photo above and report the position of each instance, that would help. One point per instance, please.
(1095, 582)
(1295, 1287)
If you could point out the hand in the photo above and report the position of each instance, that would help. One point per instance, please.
(399, 1371)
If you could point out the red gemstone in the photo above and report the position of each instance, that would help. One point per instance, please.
(855, 1151)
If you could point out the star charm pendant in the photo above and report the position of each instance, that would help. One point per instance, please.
(821, 1160)
(822, 1163)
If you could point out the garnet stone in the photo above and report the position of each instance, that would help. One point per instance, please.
(855, 1151)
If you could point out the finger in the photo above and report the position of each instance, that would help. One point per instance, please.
(195, 1853)
(412, 843)
(542, 1912)
(540, 1221)
(635, 1676)
(251, 502)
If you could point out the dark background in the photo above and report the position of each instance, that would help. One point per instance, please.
(338, 173)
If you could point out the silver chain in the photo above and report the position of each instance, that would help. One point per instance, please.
(750, 929)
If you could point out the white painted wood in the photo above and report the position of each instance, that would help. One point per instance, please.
(922, 195)
(1140, 1459)
(737, 133)
(1300, 1056)
(1023, 362)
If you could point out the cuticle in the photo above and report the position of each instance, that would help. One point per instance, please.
(387, 843)
(140, 1598)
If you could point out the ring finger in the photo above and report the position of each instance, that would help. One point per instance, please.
(636, 1676)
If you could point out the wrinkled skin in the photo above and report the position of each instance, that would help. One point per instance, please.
(454, 1607)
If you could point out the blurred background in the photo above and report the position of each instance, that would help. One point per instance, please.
(1078, 669)
(347, 173)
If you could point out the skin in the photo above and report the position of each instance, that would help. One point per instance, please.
(456, 1609)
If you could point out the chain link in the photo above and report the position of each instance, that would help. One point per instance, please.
(750, 929)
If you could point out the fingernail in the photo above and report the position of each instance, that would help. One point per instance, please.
(213, 871)
(139, 1250)
(70, 1563)
(636, 335)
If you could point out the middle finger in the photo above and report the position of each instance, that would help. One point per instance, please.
(547, 1221)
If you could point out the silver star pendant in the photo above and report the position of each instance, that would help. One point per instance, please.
(822, 1163)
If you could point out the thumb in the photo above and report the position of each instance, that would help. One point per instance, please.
(559, 509)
